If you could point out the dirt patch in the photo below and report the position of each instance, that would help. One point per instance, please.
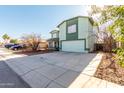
(29, 52)
(109, 70)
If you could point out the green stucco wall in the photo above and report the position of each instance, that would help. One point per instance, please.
(72, 36)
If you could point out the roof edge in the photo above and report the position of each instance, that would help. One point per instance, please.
(54, 31)
(91, 20)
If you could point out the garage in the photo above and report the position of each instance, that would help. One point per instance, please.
(73, 46)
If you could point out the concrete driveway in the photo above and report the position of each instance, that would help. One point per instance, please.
(58, 69)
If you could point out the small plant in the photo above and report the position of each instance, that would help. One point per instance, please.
(120, 56)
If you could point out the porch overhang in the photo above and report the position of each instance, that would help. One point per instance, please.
(53, 39)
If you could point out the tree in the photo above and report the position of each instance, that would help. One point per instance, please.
(116, 28)
(32, 41)
(5, 37)
(101, 18)
(15, 41)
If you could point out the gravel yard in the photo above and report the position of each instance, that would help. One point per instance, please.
(110, 71)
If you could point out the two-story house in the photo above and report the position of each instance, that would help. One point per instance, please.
(76, 35)
(53, 42)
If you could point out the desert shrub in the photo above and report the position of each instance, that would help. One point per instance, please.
(15, 41)
(32, 41)
(120, 56)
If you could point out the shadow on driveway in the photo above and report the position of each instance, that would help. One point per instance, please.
(9, 79)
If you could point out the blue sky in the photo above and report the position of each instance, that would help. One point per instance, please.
(19, 20)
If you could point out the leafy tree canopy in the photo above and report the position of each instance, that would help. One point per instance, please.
(6, 36)
(116, 28)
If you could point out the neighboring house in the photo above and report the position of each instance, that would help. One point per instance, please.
(53, 42)
(43, 45)
(75, 35)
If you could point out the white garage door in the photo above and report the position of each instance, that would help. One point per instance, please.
(73, 46)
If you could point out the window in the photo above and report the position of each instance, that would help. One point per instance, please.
(54, 35)
(72, 29)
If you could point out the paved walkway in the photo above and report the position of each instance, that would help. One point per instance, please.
(59, 70)
(87, 80)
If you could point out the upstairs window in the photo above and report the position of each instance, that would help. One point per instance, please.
(54, 35)
(72, 28)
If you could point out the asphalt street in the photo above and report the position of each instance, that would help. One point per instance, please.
(8, 78)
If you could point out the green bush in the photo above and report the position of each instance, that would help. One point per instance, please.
(120, 56)
(15, 41)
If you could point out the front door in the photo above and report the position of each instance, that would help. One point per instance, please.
(55, 45)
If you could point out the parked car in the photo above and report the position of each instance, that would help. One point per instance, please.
(9, 45)
(17, 47)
